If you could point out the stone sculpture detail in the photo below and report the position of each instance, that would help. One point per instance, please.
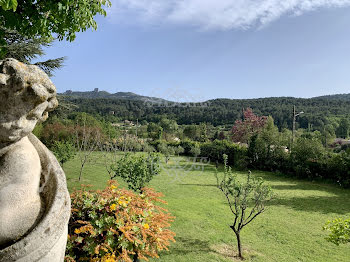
(34, 201)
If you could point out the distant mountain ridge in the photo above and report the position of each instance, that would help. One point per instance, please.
(344, 97)
(96, 94)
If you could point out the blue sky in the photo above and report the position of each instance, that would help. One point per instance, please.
(197, 50)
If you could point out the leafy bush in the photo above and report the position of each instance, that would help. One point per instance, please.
(339, 231)
(215, 150)
(137, 170)
(64, 151)
(117, 225)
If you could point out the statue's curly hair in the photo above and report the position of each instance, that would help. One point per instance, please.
(27, 88)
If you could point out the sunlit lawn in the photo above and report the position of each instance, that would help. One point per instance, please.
(290, 230)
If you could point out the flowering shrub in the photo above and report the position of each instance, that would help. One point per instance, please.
(117, 225)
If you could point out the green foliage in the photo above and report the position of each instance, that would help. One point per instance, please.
(339, 231)
(44, 18)
(216, 149)
(154, 131)
(117, 225)
(9, 4)
(166, 150)
(179, 150)
(343, 128)
(247, 199)
(64, 151)
(195, 150)
(137, 170)
(26, 49)
(318, 112)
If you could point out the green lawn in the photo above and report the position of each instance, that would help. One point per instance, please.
(290, 230)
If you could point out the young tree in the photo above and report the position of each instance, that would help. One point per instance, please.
(252, 124)
(88, 138)
(339, 231)
(179, 150)
(195, 150)
(64, 151)
(167, 151)
(246, 199)
(109, 151)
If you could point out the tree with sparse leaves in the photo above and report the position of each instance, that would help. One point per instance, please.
(246, 199)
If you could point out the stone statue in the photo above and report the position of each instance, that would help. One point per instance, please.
(34, 201)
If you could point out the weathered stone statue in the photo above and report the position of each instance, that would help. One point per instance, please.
(34, 201)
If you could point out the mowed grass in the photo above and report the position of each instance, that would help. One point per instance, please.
(290, 229)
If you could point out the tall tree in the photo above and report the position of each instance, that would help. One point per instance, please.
(26, 49)
(343, 128)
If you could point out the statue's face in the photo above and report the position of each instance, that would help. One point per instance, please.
(26, 94)
(17, 122)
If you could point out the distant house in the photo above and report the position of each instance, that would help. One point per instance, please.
(340, 142)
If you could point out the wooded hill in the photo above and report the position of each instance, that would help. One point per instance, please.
(318, 111)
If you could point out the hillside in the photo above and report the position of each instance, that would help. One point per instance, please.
(96, 94)
(130, 106)
(345, 97)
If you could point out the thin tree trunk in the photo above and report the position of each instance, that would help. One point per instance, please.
(239, 245)
(81, 171)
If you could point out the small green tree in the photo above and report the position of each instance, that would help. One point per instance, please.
(137, 170)
(179, 150)
(167, 151)
(64, 151)
(195, 150)
(246, 199)
(339, 231)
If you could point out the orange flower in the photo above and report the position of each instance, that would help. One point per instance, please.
(146, 226)
(113, 207)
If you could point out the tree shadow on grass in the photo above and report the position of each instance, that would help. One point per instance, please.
(331, 199)
(205, 185)
(321, 204)
(186, 246)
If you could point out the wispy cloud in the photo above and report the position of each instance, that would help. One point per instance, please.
(215, 14)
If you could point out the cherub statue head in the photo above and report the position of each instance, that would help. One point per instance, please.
(26, 96)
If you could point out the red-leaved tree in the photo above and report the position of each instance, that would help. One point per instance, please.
(252, 124)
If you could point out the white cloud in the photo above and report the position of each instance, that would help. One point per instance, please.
(214, 14)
